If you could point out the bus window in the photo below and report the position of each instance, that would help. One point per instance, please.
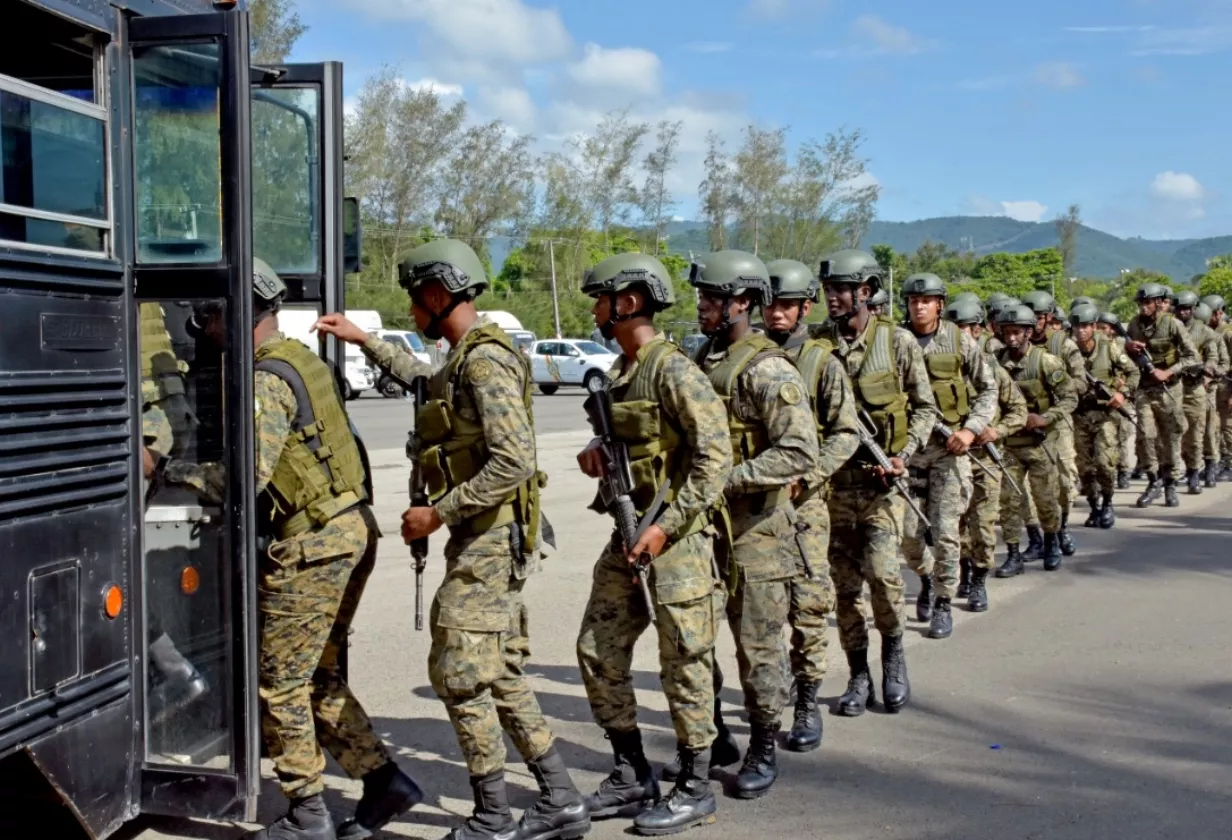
(286, 178)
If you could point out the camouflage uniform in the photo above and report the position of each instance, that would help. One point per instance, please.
(1223, 361)
(1223, 399)
(310, 584)
(1127, 431)
(479, 625)
(965, 391)
(1059, 344)
(1159, 405)
(774, 440)
(1195, 395)
(164, 410)
(866, 519)
(1095, 426)
(663, 382)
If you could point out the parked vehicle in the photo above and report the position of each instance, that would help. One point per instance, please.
(296, 322)
(408, 341)
(570, 361)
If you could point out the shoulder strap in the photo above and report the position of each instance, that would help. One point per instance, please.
(304, 416)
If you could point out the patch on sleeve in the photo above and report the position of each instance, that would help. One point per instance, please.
(790, 393)
(1057, 377)
(479, 371)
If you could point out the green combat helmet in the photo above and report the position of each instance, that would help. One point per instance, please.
(879, 298)
(268, 290)
(1084, 313)
(1168, 293)
(1017, 315)
(1111, 319)
(1039, 302)
(1151, 291)
(851, 266)
(731, 273)
(1081, 300)
(1215, 302)
(964, 312)
(995, 304)
(969, 296)
(792, 280)
(924, 284)
(453, 263)
(623, 271)
(1202, 312)
(998, 298)
(1185, 299)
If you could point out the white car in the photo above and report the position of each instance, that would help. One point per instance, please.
(408, 341)
(570, 361)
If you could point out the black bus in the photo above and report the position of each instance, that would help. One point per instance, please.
(145, 161)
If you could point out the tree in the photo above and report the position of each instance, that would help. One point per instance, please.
(760, 167)
(1068, 226)
(273, 28)
(1217, 281)
(656, 201)
(1221, 261)
(717, 191)
(606, 164)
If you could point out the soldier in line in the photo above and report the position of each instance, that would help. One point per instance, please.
(891, 385)
(1194, 381)
(667, 413)
(1096, 421)
(979, 524)
(1051, 400)
(774, 443)
(830, 397)
(1223, 393)
(879, 303)
(990, 341)
(1109, 326)
(478, 441)
(965, 393)
(314, 509)
(1223, 360)
(1158, 339)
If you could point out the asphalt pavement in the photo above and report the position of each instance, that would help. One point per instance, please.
(1091, 703)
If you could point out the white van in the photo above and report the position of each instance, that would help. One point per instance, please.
(296, 322)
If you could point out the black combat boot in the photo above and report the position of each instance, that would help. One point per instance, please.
(560, 811)
(491, 819)
(1093, 516)
(860, 690)
(805, 734)
(1137, 473)
(942, 625)
(1122, 480)
(1209, 474)
(1152, 492)
(176, 682)
(977, 601)
(724, 752)
(1170, 497)
(895, 687)
(1052, 552)
(760, 768)
(1013, 562)
(388, 793)
(1194, 481)
(1225, 471)
(1064, 540)
(307, 819)
(924, 601)
(964, 577)
(690, 803)
(1035, 544)
(1107, 518)
(631, 787)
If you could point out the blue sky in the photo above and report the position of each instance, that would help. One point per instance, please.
(968, 108)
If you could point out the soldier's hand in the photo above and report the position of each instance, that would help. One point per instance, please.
(1036, 421)
(591, 460)
(1118, 400)
(795, 490)
(1135, 347)
(960, 442)
(989, 435)
(1161, 375)
(651, 542)
(420, 522)
(338, 325)
(149, 463)
(897, 467)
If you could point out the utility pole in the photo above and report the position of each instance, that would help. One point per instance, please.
(891, 303)
(555, 299)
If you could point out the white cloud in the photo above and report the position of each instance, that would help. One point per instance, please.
(440, 88)
(1177, 186)
(626, 69)
(1060, 75)
(1024, 211)
(709, 47)
(513, 105)
(887, 38)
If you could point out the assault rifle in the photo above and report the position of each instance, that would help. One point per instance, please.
(946, 433)
(616, 488)
(1142, 360)
(995, 454)
(1105, 393)
(866, 430)
(418, 489)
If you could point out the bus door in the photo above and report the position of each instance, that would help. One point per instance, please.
(188, 117)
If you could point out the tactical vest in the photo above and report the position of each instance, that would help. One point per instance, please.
(982, 342)
(455, 449)
(1030, 380)
(945, 374)
(748, 440)
(321, 471)
(160, 370)
(658, 452)
(877, 388)
(811, 362)
(1162, 348)
(1100, 366)
(1056, 343)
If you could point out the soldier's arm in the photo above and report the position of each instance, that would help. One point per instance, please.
(689, 397)
(836, 409)
(1210, 353)
(922, 408)
(1061, 387)
(777, 392)
(1224, 361)
(1189, 355)
(1127, 371)
(394, 360)
(982, 381)
(1075, 366)
(495, 380)
(1013, 404)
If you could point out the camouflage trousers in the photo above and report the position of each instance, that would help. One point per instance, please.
(866, 528)
(948, 493)
(1193, 442)
(1127, 436)
(979, 523)
(1162, 421)
(688, 601)
(1095, 434)
(1038, 465)
(480, 646)
(1212, 447)
(1027, 511)
(812, 597)
(1223, 401)
(1067, 460)
(307, 597)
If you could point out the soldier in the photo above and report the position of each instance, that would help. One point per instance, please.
(478, 450)
(1109, 325)
(1167, 301)
(879, 302)
(990, 341)
(1211, 442)
(1057, 342)
(1158, 340)
(965, 392)
(1223, 394)
(795, 291)
(891, 385)
(323, 540)
(684, 453)
(774, 441)
(1051, 400)
(1081, 300)
(979, 524)
(1096, 421)
(1194, 381)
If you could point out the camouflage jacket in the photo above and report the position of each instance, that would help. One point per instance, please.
(835, 412)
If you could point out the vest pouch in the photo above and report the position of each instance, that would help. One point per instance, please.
(636, 422)
(434, 422)
(949, 389)
(887, 406)
(1163, 352)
